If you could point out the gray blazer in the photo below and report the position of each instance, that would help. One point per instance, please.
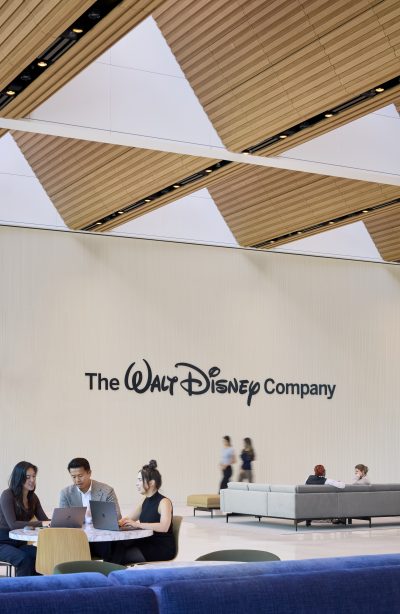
(71, 497)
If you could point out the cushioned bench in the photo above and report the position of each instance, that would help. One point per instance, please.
(205, 503)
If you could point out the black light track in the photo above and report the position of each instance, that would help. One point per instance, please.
(262, 145)
(76, 32)
(328, 225)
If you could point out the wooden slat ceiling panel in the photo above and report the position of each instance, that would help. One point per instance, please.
(385, 232)
(107, 32)
(28, 27)
(87, 181)
(260, 204)
(259, 67)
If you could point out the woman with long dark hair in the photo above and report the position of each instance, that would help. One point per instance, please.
(247, 455)
(20, 507)
(155, 513)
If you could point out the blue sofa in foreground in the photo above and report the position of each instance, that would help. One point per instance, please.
(344, 585)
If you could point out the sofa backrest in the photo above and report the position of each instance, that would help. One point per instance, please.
(52, 583)
(354, 591)
(148, 577)
(305, 488)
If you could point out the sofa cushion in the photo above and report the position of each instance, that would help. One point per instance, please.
(254, 503)
(148, 576)
(101, 600)
(305, 488)
(262, 487)
(379, 487)
(356, 591)
(352, 504)
(52, 583)
(302, 506)
(238, 485)
(283, 488)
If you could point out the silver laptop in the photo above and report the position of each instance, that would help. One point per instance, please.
(68, 517)
(104, 516)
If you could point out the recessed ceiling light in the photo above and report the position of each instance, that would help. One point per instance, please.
(120, 212)
(331, 222)
(272, 241)
(176, 185)
(379, 89)
(365, 210)
(283, 136)
(147, 200)
(208, 170)
(42, 63)
(77, 30)
(328, 114)
(10, 92)
(299, 232)
(98, 223)
(246, 153)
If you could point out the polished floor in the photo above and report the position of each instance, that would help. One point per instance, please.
(204, 534)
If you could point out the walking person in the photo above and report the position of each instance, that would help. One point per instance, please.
(228, 458)
(248, 456)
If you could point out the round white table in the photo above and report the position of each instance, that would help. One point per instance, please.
(93, 535)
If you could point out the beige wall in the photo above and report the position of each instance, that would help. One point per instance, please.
(72, 303)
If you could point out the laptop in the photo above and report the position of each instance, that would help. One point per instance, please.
(104, 516)
(68, 517)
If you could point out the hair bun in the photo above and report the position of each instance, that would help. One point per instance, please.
(153, 464)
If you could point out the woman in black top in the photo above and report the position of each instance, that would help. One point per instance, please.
(18, 506)
(247, 455)
(154, 513)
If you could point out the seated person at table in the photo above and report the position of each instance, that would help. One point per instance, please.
(19, 507)
(361, 475)
(83, 490)
(154, 513)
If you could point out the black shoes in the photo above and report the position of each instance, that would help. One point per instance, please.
(339, 521)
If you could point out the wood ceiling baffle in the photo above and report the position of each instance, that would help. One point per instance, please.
(87, 181)
(259, 67)
(261, 204)
(30, 32)
(28, 28)
(385, 232)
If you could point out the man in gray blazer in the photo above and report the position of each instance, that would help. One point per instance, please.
(83, 490)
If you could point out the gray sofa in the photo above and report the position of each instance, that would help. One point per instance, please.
(302, 502)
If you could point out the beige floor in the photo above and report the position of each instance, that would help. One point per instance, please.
(204, 534)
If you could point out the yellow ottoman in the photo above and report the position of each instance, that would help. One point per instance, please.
(204, 503)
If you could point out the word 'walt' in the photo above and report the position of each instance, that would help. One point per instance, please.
(195, 381)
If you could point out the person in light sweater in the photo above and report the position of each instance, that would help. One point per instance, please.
(360, 476)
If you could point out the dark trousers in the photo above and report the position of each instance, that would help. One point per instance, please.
(23, 557)
(226, 476)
